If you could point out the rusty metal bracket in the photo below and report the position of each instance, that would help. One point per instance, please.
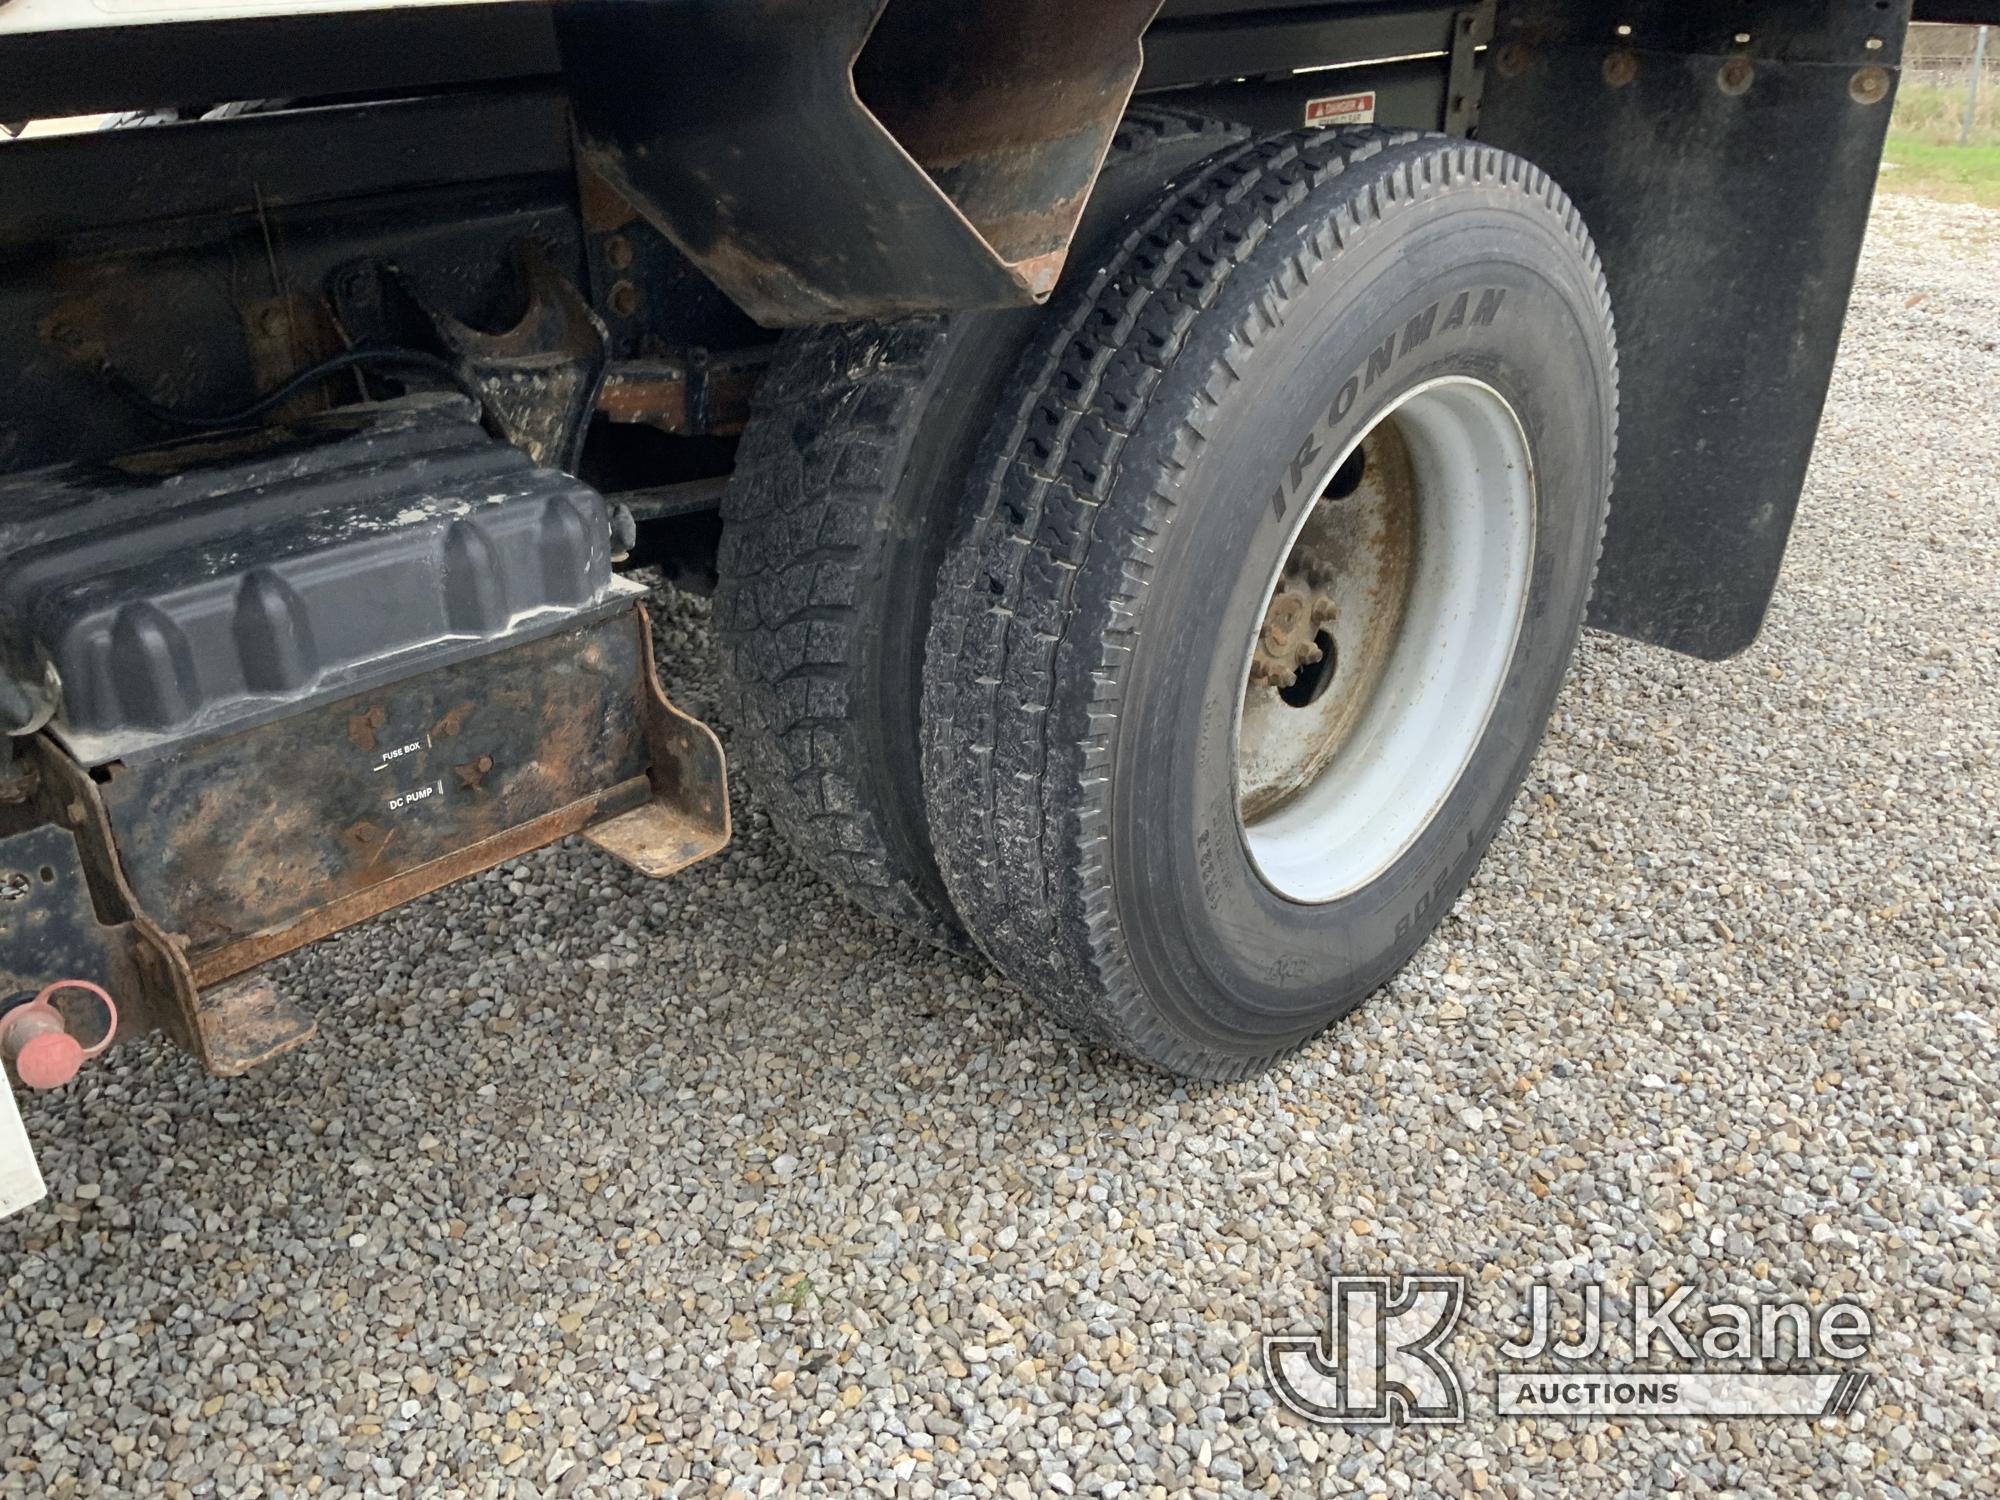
(1471, 31)
(52, 925)
(689, 394)
(540, 378)
(230, 1029)
(824, 160)
(238, 856)
(688, 817)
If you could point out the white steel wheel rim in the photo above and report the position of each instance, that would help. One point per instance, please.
(1419, 591)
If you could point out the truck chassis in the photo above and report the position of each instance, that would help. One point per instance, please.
(354, 360)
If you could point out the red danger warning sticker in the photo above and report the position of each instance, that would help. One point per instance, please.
(1341, 109)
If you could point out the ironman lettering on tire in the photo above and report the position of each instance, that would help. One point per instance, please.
(1272, 566)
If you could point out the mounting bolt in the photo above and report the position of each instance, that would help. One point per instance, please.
(1620, 68)
(625, 299)
(1869, 85)
(618, 252)
(361, 285)
(1512, 61)
(1734, 76)
(271, 322)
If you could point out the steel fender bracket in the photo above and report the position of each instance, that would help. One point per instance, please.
(825, 160)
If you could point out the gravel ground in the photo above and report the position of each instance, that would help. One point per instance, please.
(599, 1186)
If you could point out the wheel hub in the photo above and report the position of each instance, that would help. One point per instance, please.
(1286, 644)
(1390, 623)
(1332, 620)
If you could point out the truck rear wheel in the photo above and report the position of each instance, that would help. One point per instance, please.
(1276, 559)
(845, 490)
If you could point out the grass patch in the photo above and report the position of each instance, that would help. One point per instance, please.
(1957, 174)
(1935, 114)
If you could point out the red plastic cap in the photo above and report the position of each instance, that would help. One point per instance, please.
(50, 1060)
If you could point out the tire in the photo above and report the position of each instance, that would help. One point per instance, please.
(1092, 672)
(845, 491)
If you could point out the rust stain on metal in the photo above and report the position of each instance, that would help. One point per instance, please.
(602, 207)
(358, 906)
(1869, 85)
(248, 1021)
(189, 453)
(659, 838)
(758, 281)
(21, 781)
(688, 818)
(212, 836)
(1038, 273)
(653, 392)
(1337, 611)
(452, 722)
(473, 772)
(1286, 644)
(364, 729)
(686, 395)
(367, 839)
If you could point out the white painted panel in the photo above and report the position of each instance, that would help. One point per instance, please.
(20, 1178)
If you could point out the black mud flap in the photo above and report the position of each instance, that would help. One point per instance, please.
(1724, 156)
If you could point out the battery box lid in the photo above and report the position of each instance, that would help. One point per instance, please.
(206, 585)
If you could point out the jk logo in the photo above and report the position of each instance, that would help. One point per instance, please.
(1378, 1360)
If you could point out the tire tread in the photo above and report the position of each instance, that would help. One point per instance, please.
(1018, 811)
(803, 516)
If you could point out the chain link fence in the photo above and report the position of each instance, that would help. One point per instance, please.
(1950, 91)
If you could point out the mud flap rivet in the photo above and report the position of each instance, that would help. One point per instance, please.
(1869, 85)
